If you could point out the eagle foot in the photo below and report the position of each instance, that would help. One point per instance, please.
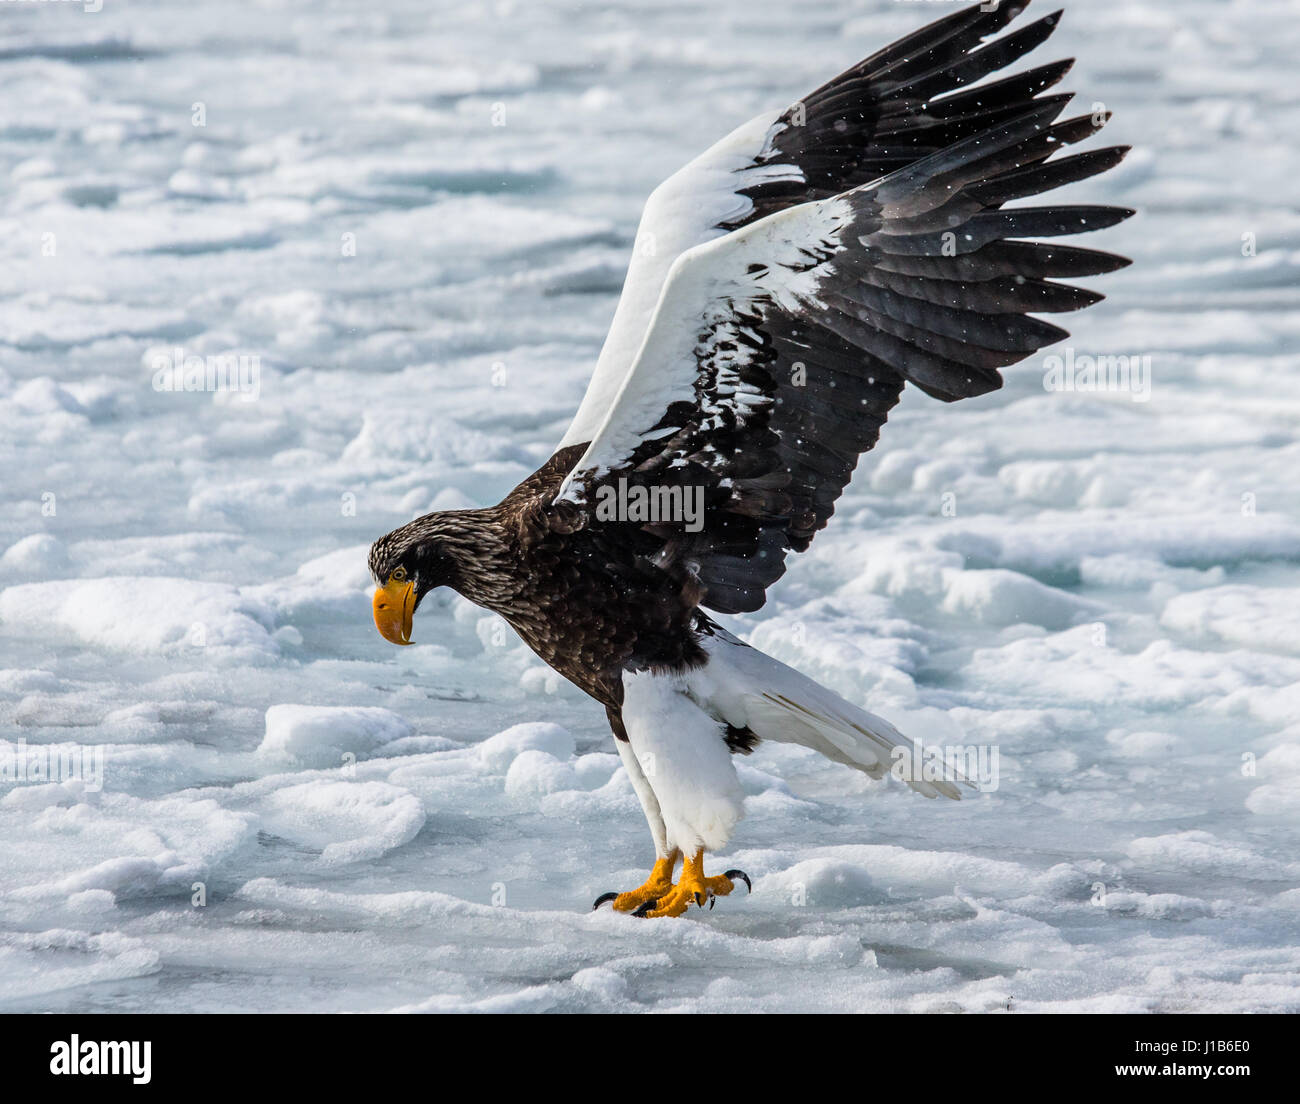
(693, 888)
(658, 884)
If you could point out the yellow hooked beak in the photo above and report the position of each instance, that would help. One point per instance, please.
(394, 607)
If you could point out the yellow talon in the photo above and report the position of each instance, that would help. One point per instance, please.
(658, 884)
(659, 897)
(692, 888)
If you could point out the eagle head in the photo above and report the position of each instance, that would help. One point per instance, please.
(406, 564)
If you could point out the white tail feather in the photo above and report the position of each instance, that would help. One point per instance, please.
(749, 689)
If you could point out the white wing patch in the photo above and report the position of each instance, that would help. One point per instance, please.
(684, 211)
(780, 261)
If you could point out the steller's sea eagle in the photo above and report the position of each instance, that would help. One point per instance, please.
(801, 272)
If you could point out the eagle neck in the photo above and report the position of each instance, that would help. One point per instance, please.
(484, 557)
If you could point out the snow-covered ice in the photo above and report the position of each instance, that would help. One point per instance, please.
(1102, 585)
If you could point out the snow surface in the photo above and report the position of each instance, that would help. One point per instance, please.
(1103, 588)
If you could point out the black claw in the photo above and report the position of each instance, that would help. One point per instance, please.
(646, 906)
(602, 899)
(712, 901)
(699, 900)
(734, 874)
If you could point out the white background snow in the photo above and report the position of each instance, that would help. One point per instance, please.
(1113, 603)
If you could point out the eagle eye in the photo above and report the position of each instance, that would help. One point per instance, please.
(398, 575)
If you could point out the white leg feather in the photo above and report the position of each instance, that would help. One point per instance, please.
(649, 803)
(683, 753)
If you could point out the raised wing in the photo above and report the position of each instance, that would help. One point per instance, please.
(878, 116)
(776, 352)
